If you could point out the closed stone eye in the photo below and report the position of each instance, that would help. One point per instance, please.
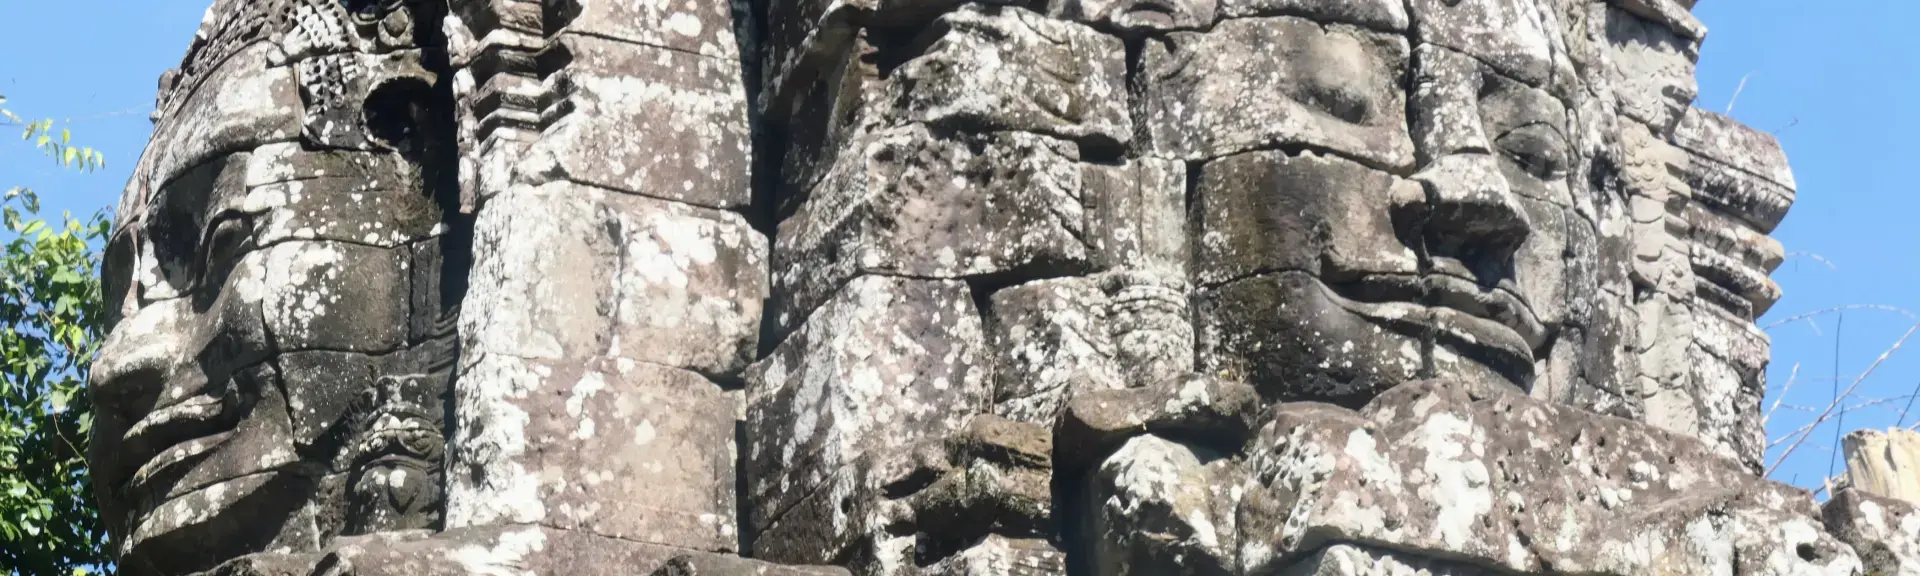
(1536, 149)
(225, 240)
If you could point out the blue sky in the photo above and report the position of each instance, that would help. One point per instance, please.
(1834, 84)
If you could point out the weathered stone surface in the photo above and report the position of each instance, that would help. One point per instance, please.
(888, 364)
(1481, 478)
(243, 104)
(611, 274)
(1197, 407)
(994, 68)
(928, 203)
(1721, 138)
(1001, 556)
(1510, 36)
(1057, 339)
(477, 287)
(1384, 15)
(646, 120)
(1337, 87)
(610, 447)
(505, 550)
(1652, 68)
(706, 29)
(1885, 532)
(1883, 463)
(1137, 214)
(1051, 343)
(1151, 509)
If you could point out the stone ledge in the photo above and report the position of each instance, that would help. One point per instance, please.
(503, 550)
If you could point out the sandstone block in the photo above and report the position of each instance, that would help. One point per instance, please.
(1885, 532)
(927, 203)
(506, 550)
(992, 68)
(1721, 138)
(646, 120)
(602, 273)
(609, 447)
(1884, 463)
(1334, 88)
(887, 365)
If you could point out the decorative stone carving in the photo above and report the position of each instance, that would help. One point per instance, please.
(936, 287)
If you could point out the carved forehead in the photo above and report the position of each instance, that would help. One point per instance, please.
(1461, 104)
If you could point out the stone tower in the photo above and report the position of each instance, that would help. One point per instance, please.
(946, 287)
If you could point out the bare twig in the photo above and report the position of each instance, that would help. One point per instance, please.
(1804, 429)
(1909, 407)
(1839, 329)
(1796, 122)
(1814, 257)
(1840, 398)
(1836, 310)
(1792, 377)
(1736, 93)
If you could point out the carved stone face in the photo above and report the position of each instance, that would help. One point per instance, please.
(279, 356)
(1351, 234)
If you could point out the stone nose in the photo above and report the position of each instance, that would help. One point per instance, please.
(134, 361)
(1472, 216)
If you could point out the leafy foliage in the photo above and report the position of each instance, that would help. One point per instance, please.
(50, 327)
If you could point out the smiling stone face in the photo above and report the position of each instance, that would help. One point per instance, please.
(276, 371)
(1393, 233)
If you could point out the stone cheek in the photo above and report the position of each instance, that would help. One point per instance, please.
(1259, 213)
(335, 296)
